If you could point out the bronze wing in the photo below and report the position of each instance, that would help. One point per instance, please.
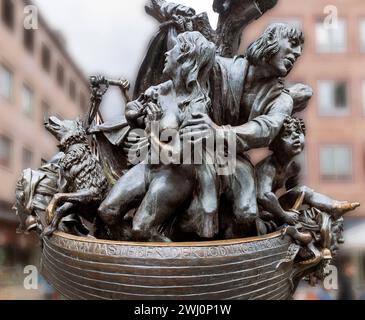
(234, 17)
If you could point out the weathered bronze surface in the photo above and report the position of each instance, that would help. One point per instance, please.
(180, 214)
(241, 269)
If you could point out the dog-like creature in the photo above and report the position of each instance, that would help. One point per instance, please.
(85, 184)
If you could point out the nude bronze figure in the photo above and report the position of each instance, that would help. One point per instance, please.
(161, 190)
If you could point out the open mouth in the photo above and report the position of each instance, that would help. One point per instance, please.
(290, 61)
(297, 144)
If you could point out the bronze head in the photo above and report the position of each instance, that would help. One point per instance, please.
(191, 61)
(291, 139)
(279, 48)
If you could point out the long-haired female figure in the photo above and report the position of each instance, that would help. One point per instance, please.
(166, 187)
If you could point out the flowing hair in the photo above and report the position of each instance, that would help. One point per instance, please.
(197, 60)
(264, 48)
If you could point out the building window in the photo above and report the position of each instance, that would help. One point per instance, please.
(362, 35)
(60, 75)
(6, 82)
(333, 38)
(46, 112)
(27, 101)
(72, 90)
(27, 160)
(29, 36)
(8, 13)
(5, 151)
(333, 99)
(336, 162)
(46, 58)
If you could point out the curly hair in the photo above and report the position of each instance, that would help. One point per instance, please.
(264, 48)
(290, 124)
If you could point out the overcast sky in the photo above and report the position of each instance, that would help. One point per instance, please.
(108, 36)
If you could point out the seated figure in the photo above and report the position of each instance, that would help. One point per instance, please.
(280, 170)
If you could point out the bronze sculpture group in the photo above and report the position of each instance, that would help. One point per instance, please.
(190, 90)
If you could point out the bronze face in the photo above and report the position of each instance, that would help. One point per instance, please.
(292, 142)
(289, 52)
(172, 57)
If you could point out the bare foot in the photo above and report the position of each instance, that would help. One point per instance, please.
(341, 208)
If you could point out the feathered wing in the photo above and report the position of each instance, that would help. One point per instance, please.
(234, 17)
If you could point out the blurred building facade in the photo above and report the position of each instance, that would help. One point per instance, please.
(37, 78)
(333, 64)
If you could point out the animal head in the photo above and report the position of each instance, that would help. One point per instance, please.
(67, 132)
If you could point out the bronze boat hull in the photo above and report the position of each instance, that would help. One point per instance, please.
(248, 269)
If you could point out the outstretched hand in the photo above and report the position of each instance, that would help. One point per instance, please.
(154, 112)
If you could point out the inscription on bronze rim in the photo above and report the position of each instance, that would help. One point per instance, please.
(115, 250)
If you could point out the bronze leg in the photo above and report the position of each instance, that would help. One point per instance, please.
(168, 191)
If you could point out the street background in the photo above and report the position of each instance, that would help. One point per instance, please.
(45, 71)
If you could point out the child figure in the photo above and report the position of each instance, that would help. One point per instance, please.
(280, 170)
